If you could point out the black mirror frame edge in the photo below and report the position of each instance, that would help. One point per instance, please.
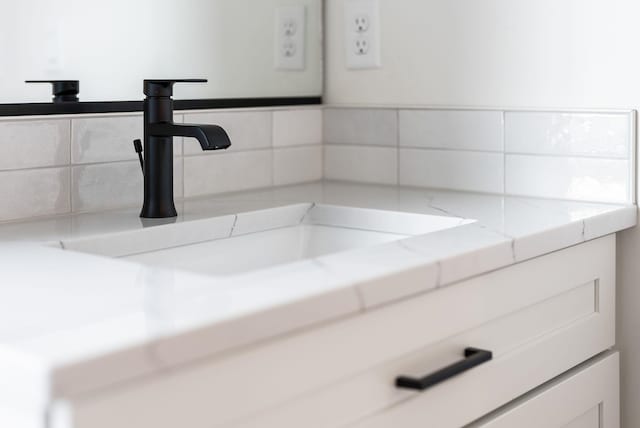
(43, 109)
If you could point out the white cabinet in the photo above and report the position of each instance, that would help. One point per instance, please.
(587, 397)
(539, 319)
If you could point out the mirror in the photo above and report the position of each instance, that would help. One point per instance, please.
(245, 48)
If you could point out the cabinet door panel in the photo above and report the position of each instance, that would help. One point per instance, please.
(587, 397)
(591, 419)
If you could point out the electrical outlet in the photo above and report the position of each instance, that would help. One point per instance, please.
(289, 27)
(289, 49)
(362, 46)
(362, 34)
(361, 23)
(290, 38)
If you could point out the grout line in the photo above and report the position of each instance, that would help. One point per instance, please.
(70, 189)
(372, 146)
(324, 161)
(255, 149)
(569, 155)
(272, 118)
(504, 151)
(398, 147)
(227, 152)
(447, 149)
(441, 149)
(495, 152)
(70, 166)
(272, 147)
(454, 108)
(107, 162)
(70, 142)
(36, 168)
(272, 160)
(183, 173)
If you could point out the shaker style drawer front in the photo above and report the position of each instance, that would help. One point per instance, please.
(406, 364)
(529, 347)
(587, 397)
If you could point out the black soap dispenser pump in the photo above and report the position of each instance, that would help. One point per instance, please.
(64, 91)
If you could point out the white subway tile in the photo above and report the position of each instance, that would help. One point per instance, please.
(178, 142)
(247, 130)
(602, 180)
(227, 172)
(105, 139)
(297, 127)
(28, 144)
(361, 164)
(110, 139)
(603, 135)
(178, 178)
(452, 129)
(458, 170)
(361, 126)
(113, 185)
(297, 165)
(106, 186)
(34, 192)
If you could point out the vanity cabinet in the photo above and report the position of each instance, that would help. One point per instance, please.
(587, 397)
(540, 319)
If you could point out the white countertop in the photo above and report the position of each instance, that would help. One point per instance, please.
(72, 323)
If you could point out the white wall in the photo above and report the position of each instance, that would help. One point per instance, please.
(506, 53)
(111, 46)
(510, 53)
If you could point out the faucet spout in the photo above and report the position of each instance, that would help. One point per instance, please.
(210, 137)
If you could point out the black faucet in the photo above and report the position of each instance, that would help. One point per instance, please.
(159, 131)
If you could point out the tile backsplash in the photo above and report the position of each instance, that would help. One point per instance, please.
(31, 144)
(454, 130)
(60, 165)
(450, 169)
(586, 156)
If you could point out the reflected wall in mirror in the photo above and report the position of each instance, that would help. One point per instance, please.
(111, 46)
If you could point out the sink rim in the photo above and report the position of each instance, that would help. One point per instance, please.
(178, 234)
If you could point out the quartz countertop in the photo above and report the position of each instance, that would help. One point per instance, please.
(73, 323)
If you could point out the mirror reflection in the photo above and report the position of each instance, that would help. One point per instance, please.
(245, 48)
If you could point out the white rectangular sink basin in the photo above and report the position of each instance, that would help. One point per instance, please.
(260, 239)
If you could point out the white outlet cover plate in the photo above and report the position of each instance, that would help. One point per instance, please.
(290, 46)
(370, 9)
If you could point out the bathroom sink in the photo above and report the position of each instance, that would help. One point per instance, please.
(256, 240)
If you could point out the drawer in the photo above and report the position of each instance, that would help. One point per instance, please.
(539, 318)
(587, 397)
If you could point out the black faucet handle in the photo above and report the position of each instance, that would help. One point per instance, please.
(137, 145)
(64, 91)
(164, 87)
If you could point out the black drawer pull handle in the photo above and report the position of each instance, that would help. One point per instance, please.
(473, 358)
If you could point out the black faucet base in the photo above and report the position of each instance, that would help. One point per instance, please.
(158, 178)
(164, 212)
